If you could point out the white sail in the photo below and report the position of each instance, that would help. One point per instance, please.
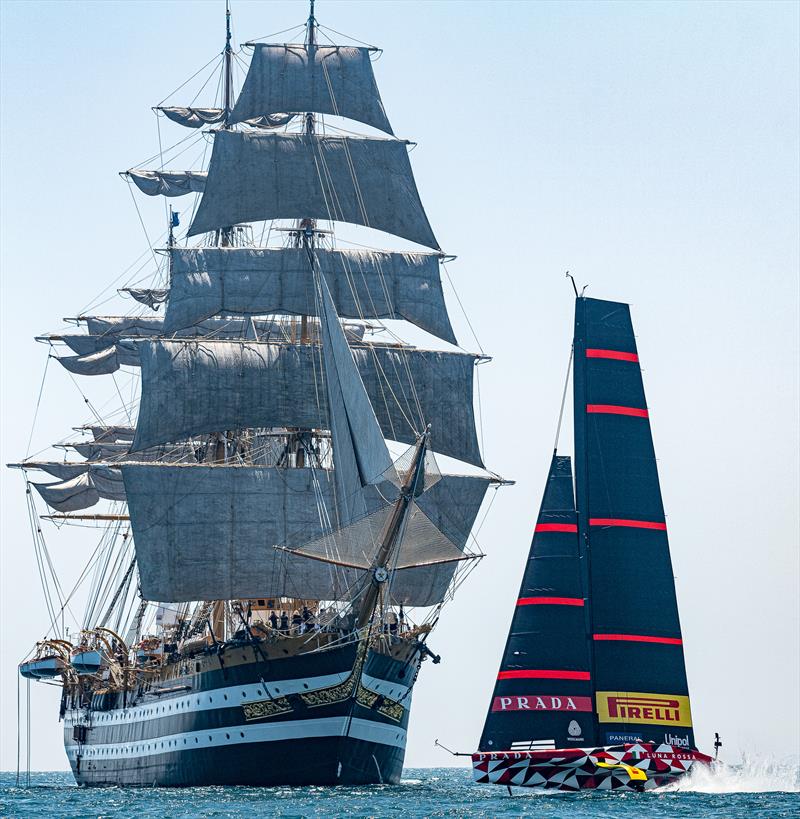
(167, 183)
(325, 79)
(366, 284)
(181, 529)
(257, 176)
(195, 387)
(84, 490)
(198, 117)
(359, 450)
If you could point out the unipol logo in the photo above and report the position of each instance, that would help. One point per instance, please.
(542, 702)
(634, 707)
(681, 742)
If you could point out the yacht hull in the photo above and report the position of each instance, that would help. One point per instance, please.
(576, 769)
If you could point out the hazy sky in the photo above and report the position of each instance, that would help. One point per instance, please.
(650, 148)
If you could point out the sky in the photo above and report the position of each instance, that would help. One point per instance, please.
(649, 148)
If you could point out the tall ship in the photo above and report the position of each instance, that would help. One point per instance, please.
(269, 569)
(592, 690)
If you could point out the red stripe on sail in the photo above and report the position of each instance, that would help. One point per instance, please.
(540, 674)
(640, 638)
(617, 355)
(556, 527)
(550, 601)
(611, 409)
(633, 524)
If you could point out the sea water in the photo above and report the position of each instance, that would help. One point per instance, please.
(751, 789)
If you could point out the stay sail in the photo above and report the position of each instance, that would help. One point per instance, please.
(592, 689)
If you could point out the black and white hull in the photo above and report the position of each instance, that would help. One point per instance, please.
(302, 720)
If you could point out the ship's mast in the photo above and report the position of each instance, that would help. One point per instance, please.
(381, 567)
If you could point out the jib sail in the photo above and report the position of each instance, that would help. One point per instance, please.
(542, 697)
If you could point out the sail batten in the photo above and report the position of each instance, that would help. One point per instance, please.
(362, 180)
(323, 79)
(195, 387)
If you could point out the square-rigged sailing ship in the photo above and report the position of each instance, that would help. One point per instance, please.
(298, 569)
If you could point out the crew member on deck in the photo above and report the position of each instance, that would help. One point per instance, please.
(297, 622)
(273, 619)
(284, 622)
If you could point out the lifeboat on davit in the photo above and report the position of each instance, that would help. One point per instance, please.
(43, 668)
(85, 660)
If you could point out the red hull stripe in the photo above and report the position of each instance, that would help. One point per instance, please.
(640, 638)
(550, 601)
(633, 524)
(610, 409)
(539, 674)
(556, 527)
(617, 355)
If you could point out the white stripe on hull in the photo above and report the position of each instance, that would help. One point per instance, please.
(362, 729)
(228, 697)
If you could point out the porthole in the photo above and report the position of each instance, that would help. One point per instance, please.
(210, 738)
(197, 739)
(258, 692)
(241, 734)
(225, 696)
(227, 736)
(244, 693)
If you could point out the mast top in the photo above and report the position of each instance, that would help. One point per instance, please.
(311, 25)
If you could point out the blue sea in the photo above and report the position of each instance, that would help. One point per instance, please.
(747, 791)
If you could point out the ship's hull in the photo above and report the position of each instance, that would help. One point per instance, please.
(293, 721)
(577, 769)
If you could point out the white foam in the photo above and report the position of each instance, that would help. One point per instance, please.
(754, 774)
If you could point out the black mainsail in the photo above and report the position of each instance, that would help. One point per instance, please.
(639, 676)
(592, 682)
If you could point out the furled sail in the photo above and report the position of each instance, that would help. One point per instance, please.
(258, 176)
(106, 361)
(62, 470)
(152, 297)
(198, 117)
(108, 329)
(543, 692)
(84, 490)
(359, 450)
(94, 451)
(113, 432)
(636, 635)
(181, 529)
(364, 284)
(325, 79)
(195, 387)
(167, 183)
(113, 348)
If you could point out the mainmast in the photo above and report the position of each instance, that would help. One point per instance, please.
(228, 79)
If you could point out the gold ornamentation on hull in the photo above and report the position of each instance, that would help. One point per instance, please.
(262, 709)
